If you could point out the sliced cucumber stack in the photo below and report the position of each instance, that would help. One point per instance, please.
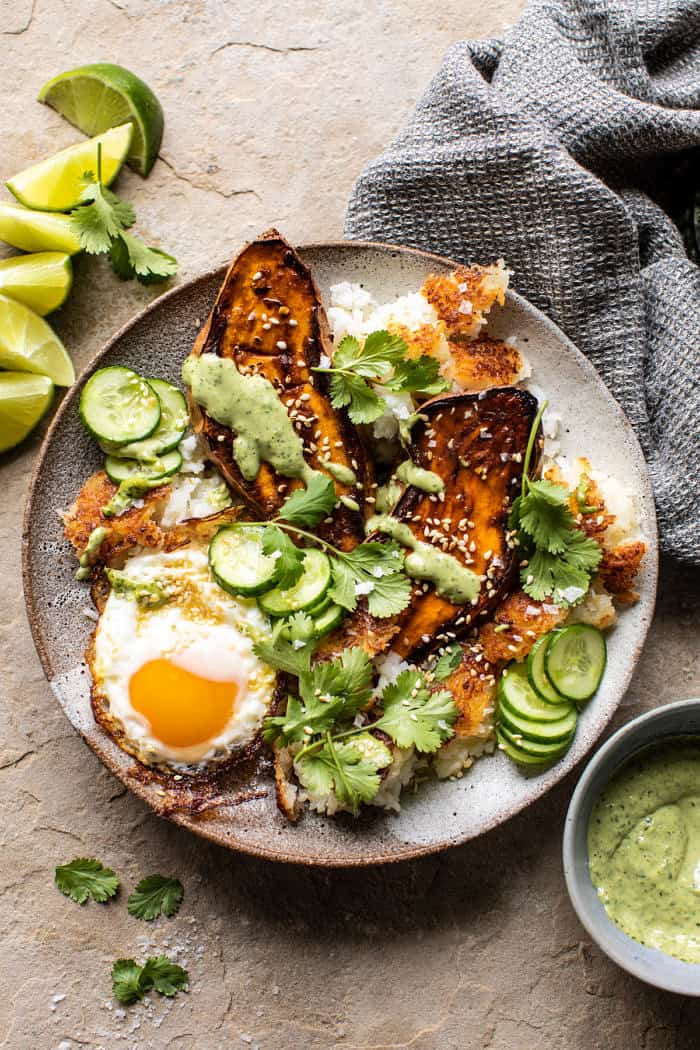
(237, 561)
(306, 593)
(537, 713)
(138, 423)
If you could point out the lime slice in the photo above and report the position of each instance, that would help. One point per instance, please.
(28, 344)
(23, 401)
(37, 231)
(55, 184)
(41, 281)
(100, 96)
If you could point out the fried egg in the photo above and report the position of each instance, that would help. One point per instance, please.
(176, 680)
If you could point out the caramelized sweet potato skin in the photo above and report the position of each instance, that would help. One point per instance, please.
(476, 444)
(268, 319)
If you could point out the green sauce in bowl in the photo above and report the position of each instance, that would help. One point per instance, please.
(644, 848)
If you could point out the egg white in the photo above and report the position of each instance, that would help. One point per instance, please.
(201, 629)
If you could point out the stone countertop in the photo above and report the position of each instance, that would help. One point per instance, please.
(271, 110)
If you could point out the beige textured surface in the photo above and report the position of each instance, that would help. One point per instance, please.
(271, 109)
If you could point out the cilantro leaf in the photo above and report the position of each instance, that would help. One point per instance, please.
(543, 512)
(413, 716)
(155, 895)
(131, 982)
(101, 217)
(380, 352)
(377, 569)
(165, 976)
(290, 561)
(126, 981)
(363, 403)
(301, 627)
(281, 655)
(420, 375)
(131, 257)
(553, 575)
(447, 662)
(307, 506)
(330, 691)
(342, 768)
(86, 877)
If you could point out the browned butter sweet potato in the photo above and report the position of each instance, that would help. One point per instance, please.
(268, 318)
(476, 444)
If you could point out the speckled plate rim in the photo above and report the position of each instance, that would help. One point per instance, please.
(406, 851)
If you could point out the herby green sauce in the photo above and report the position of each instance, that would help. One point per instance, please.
(644, 848)
(425, 480)
(451, 579)
(250, 406)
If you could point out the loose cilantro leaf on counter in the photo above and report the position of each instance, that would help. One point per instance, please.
(447, 662)
(86, 877)
(415, 717)
(290, 557)
(559, 557)
(155, 895)
(381, 359)
(131, 982)
(307, 506)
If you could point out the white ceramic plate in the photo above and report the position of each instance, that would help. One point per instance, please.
(440, 814)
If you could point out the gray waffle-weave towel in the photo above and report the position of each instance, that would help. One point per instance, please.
(559, 148)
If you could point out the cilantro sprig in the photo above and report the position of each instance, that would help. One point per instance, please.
(358, 369)
(328, 724)
(374, 570)
(101, 221)
(559, 559)
(131, 982)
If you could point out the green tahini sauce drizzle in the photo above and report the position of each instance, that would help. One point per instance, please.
(451, 579)
(644, 849)
(345, 475)
(250, 406)
(93, 544)
(426, 480)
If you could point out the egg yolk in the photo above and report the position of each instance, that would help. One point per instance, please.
(182, 708)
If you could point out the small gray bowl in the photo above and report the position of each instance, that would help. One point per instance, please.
(649, 964)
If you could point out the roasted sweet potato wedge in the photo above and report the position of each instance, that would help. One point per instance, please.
(476, 444)
(269, 319)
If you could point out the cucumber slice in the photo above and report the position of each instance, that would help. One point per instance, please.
(515, 691)
(536, 673)
(237, 561)
(320, 606)
(306, 592)
(575, 661)
(118, 406)
(119, 470)
(174, 418)
(539, 751)
(543, 732)
(517, 754)
(328, 620)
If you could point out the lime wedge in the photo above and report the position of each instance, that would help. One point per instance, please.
(23, 401)
(100, 96)
(41, 281)
(37, 231)
(28, 344)
(55, 184)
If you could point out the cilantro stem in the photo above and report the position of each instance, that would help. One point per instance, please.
(299, 532)
(531, 444)
(336, 736)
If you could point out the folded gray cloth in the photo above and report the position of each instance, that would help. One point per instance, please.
(559, 148)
